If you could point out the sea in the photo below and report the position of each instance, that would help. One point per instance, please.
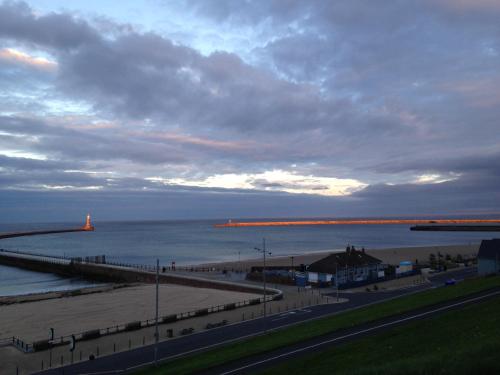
(188, 242)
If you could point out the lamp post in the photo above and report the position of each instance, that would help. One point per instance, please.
(264, 251)
(337, 280)
(293, 269)
(157, 334)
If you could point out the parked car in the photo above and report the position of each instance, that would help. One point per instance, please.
(450, 282)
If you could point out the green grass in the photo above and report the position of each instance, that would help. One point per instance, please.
(304, 331)
(457, 342)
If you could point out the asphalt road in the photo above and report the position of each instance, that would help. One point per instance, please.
(253, 364)
(125, 361)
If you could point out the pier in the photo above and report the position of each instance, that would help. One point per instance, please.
(356, 222)
(457, 228)
(88, 227)
(89, 268)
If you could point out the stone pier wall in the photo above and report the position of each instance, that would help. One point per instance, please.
(107, 273)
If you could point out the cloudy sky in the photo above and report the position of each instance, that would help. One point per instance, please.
(240, 108)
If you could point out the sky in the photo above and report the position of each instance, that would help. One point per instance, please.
(159, 109)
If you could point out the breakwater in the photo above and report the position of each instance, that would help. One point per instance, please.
(457, 228)
(354, 222)
(120, 273)
(88, 227)
(39, 232)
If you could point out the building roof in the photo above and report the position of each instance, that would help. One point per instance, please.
(349, 258)
(489, 249)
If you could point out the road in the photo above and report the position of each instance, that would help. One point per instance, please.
(123, 361)
(253, 364)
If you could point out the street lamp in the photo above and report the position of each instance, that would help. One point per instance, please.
(293, 269)
(157, 333)
(264, 251)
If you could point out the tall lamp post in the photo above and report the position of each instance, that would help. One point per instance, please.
(337, 279)
(264, 251)
(157, 334)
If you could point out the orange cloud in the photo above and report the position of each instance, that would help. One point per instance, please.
(18, 57)
(188, 139)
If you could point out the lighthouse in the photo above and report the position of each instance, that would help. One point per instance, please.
(88, 225)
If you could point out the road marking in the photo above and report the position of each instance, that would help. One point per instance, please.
(358, 333)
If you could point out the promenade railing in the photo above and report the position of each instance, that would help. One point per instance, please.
(6, 341)
(139, 324)
(91, 260)
(34, 254)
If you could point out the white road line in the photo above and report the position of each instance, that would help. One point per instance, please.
(358, 333)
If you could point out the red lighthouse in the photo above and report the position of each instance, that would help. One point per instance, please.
(88, 225)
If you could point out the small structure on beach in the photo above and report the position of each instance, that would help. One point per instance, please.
(405, 267)
(351, 266)
(488, 257)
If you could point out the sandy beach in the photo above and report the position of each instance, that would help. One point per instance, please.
(69, 315)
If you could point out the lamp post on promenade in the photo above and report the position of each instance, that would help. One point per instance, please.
(264, 251)
(157, 334)
(337, 280)
(293, 269)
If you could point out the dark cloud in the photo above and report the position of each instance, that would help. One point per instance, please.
(18, 22)
(450, 198)
(378, 92)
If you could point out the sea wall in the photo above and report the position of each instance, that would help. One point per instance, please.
(108, 273)
(36, 265)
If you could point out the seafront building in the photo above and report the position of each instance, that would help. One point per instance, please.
(349, 267)
(488, 257)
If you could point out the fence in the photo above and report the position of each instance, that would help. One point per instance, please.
(34, 254)
(150, 268)
(16, 342)
(99, 260)
(7, 341)
(132, 326)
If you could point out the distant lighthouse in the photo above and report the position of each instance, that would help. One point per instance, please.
(88, 225)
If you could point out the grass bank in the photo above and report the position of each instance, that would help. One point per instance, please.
(457, 342)
(304, 331)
